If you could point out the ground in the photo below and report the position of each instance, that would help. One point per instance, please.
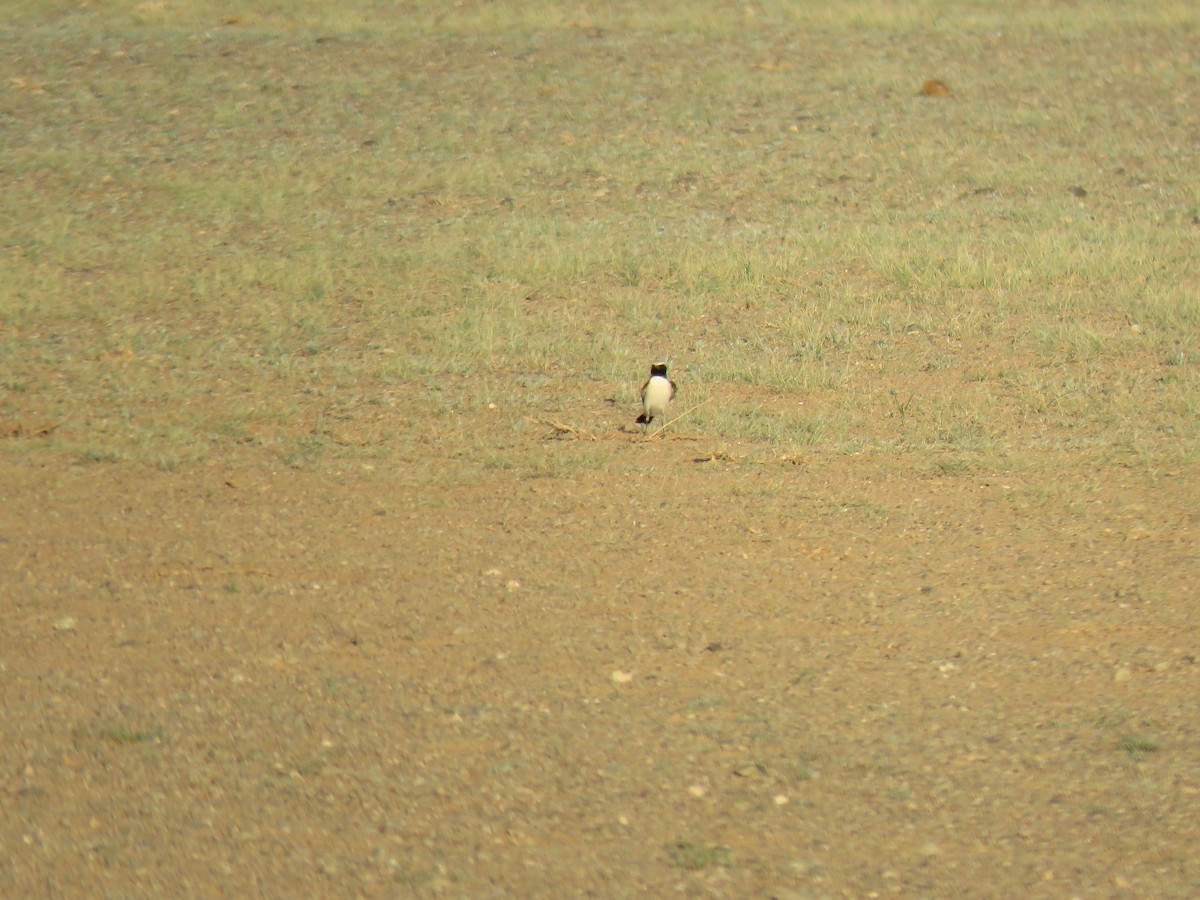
(332, 562)
(854, 681)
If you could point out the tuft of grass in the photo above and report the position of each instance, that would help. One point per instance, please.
(131, 736)
(693, 857)
(1137, 745)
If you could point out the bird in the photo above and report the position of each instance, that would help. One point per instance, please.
(656, 394)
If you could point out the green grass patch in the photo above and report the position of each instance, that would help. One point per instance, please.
(1138, 745)
(131, 736)
(693, 857)
(226, 231)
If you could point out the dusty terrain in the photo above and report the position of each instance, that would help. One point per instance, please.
(849, 680)
(332, 565)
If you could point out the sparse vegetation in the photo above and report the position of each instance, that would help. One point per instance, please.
(216, 238)
(693, 857)
(1137, 745)
(131, 736)
(321, 329)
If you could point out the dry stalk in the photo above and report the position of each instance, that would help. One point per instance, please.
(563, 428)
(667, 425)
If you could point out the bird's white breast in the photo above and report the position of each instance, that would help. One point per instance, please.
(658, 395)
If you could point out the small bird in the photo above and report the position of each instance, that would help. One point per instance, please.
(656, 394)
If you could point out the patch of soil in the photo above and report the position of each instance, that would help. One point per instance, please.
(793, 678)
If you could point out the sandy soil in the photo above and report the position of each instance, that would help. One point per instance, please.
(828, 676)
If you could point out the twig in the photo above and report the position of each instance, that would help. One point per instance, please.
(564, 428)
(667, 425)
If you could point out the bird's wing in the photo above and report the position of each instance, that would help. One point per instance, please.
(672, 390)
(645, 387)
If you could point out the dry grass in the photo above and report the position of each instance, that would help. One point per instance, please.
(228, 234)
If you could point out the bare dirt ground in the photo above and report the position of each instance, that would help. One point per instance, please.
(852, 680)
